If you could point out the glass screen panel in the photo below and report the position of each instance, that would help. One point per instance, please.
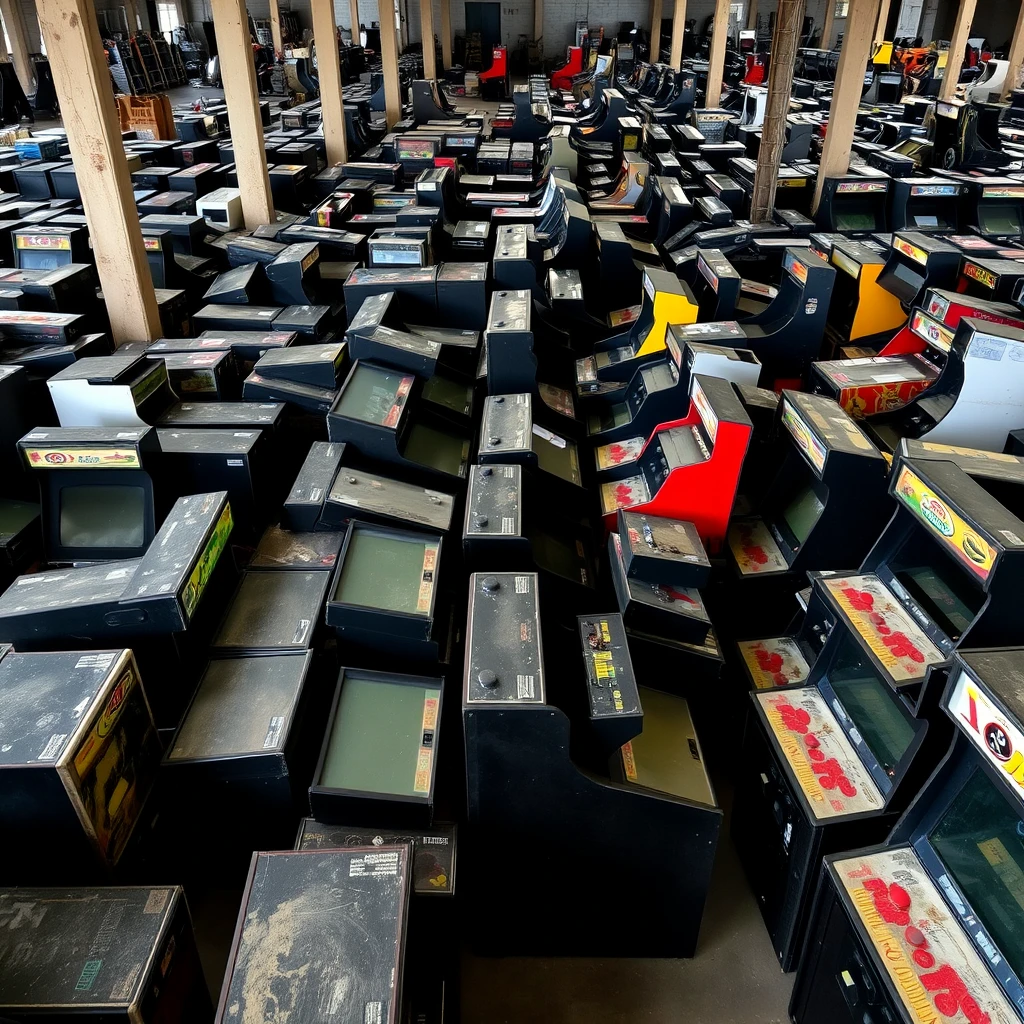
(999, 220)
(855, 220)
(102, 517)
(372, 394)
(802, 513)
(385, 572)
(42, 259)
(449, 393)
(435, 448)
(872, 705)
(937, 585)
(376, 736)
(980, 839)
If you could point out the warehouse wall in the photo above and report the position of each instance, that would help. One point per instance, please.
(560, 16)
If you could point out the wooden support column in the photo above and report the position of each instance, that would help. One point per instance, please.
(427, 35)
(830, 17)
(353, 7)
(328, 60)
(1016, 57)
(788, 22)
(752, 14)
(82, 81)
(957, 47)
(389, 56)
(883, 20)
(716, 65)
(538, 18)
(132, 14)
(275, 28)
(675, 57)
(11, 12)
(842, 117)
(656, 10)
(238, 75)
(446, 32)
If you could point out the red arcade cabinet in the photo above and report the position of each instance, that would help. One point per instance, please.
(494, 82)
(561, 78)
(688, 469)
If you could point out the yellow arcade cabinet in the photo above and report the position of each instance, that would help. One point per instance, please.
(861, 309)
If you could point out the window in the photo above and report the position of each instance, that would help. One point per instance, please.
(842, 9)
(167, 19)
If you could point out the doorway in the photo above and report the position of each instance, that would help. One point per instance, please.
(485, 18)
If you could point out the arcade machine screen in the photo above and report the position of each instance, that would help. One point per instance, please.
(933, 215)
(376, 737)
(941, 589)
(661, 760)
(561, 460)
(979, 842)
(438, 449)
(386, 572)
(904, 282)
(102, 517)
(869, 702)
(448, 393)
(801, 514)
(374, 395)
(857, 220)
(999, 220)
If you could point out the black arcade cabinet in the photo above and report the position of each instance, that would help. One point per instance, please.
(927, 926)
(629, 754)
(941, 577)
(824, 509)
(96, 489)
(381, 414)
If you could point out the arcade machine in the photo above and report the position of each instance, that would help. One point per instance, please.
(120, 390)
(687, 469)
(657, 567)
(380, 414)
(511, 526)
(940, 577)
(927, 926)
(917, 262)
(929, 205)
(994, 208)
(660, 390)
(83, 825)
(787, 334)
(992, 279)
(96, 490)
(385, 600)
(714, 281)
(861, 312)
(585, 754)
(977, 398)
(354, 911)
(666, 300)
(495, 81)
(853, 206)
(829, 468)
(377, 332)
(509, 433)
(512, 360)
